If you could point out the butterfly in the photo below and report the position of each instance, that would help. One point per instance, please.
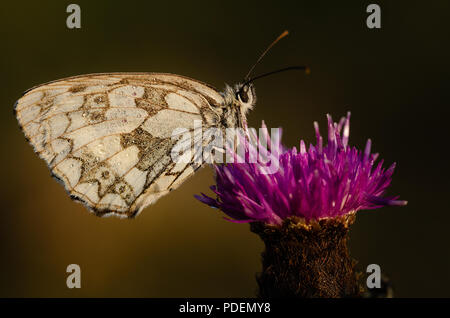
(108, 137)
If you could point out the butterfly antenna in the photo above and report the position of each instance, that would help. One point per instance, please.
(290, 68)
(282, 35)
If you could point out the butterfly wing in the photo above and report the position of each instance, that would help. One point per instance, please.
(107, 137)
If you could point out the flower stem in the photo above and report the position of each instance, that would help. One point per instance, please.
(307, 260)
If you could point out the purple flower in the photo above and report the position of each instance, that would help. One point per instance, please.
(314, 183)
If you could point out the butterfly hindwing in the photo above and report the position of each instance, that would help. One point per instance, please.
(108, 137)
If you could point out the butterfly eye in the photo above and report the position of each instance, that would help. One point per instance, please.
(243, 95)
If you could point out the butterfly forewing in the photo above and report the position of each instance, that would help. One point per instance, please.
(108, 137)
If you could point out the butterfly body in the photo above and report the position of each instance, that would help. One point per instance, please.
(108, 137)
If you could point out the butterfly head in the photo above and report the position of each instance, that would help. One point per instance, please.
(241, 96)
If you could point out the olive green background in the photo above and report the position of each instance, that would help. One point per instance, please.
(395, 81)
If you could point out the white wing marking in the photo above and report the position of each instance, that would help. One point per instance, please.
(178, 102)
(167, 120)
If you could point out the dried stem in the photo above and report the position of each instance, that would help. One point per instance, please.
(307, 259)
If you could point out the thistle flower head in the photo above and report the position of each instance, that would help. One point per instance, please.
(312, 183)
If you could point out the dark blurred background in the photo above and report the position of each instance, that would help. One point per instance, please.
(394, 80)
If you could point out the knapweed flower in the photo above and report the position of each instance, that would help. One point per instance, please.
(314, 183)
(303, 209)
